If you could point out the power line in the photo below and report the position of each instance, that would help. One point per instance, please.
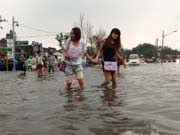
(38, 36)
(37, 29)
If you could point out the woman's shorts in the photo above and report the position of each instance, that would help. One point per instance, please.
(76, 70)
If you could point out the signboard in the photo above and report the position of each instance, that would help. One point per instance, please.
(22, 42)
(159, 49)
(5, 49)
(159, 54)
(3, 53)
(10, 43)
(10, 55)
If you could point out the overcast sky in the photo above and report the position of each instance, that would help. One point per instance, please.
(140, 21)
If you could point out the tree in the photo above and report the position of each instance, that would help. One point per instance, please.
(149, 50)
(98, 37)
(168, 51)
(61, 38)
(146, 49)
(86, 29)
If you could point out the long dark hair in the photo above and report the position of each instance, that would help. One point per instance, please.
(77, 33)
(117, 41)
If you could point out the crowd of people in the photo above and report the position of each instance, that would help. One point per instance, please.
(40, 63)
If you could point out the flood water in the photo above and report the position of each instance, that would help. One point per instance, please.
(146, 102)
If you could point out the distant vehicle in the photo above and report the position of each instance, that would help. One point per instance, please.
(178, 60)
(149, 60)
(142, 61)
(134, 60)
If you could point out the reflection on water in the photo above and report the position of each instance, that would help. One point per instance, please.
(73, 96)
(146, 102)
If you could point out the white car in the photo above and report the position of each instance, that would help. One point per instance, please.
(134, 60)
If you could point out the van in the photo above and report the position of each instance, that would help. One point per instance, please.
(134, 60)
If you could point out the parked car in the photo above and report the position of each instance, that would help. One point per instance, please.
(10, 65)
(149, 60)
(134, 60)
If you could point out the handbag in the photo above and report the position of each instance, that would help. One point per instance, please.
(110, 65)
(62, 66)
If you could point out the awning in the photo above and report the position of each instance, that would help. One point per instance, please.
(58, 54)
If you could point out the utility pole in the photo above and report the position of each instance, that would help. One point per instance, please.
(13, 32)
(162, 55)
(163, 36)
(157, 41)
(156, 46)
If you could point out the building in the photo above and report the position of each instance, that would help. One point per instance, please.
(3, 42)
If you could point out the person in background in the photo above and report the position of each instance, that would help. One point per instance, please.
(51, 63)
(45, 62)
(23, 64)
(33, 65)
(40, 64)
(56, 63)
(29, 63)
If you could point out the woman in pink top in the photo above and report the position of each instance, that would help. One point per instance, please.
(73, 52)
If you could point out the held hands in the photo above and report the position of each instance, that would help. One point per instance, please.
(95, 61)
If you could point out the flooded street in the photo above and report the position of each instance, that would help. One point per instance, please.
(146, 102)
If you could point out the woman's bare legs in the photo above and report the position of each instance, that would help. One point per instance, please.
(81, 83)
(107, 79)
(114, 85)
(68, 85)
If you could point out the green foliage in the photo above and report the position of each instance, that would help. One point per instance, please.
(149, 50)
(146, 49)
(91, 51)
(61, 38)
(169, 51)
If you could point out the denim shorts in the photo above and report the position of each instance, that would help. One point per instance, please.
(76, 70)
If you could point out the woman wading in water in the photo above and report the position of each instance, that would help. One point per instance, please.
(109, 50)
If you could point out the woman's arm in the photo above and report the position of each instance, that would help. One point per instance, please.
(89, 57)
(66, 55)
(121, 58)
(118, 55)
(66, 48)
(99, 51)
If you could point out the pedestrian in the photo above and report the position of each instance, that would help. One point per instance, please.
(33, 65)
(51, 60)
(73, 51)
(40, 64)
(23, 64)
(56, 63)
(45, 63)
(109, 51)
(29, 63)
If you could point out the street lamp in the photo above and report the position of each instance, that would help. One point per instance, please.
(163, 36)
(13, 23)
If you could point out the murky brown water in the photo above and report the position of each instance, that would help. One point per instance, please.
(146, 102)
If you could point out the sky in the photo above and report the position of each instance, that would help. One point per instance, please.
(140, 21)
